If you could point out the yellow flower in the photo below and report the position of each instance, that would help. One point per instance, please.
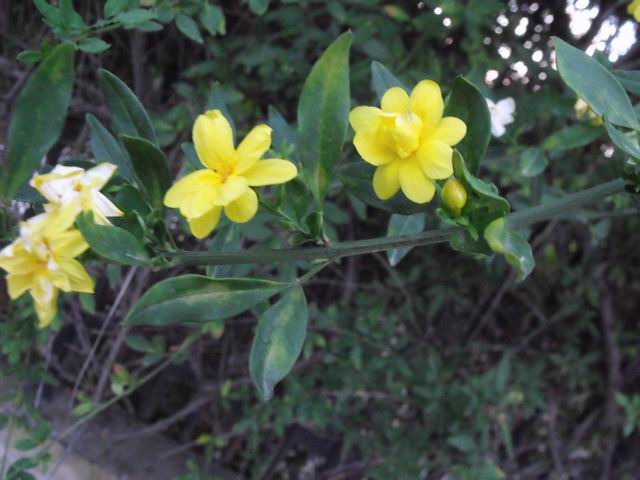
(41, 261)
(634, 9)
(408, 141)
(231, 172)
(73, 190)
(454, 196)
(583, 109)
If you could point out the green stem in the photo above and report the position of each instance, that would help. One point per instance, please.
(358, 247)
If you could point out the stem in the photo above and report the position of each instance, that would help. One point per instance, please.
(358, 247)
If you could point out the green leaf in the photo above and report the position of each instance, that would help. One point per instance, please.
(259, 7)
(572, 137)
(196, 298)
(213, 20)
(595, 84)
(105, 148)
(383, 79)
(513, 245)
(403, 225)
(533, 161)
(188, 27)
(139, 344)
(278, 342)
(467, 103)
(93, 45)
(357, 179)
(70, 19)
(323, 114)
(485, 195)
(114, 7)
(150, 168)
(128, 114)
(49, 12)
(217, 100)
(630, 80)
(627, 142)
(134, 17)
(112, 243)
(29, 57)
(36, 124)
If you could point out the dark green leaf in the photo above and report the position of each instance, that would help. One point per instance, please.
(217, 100)
(484, 194)
(627, 142)
(512, 244)
(196, 298)
(572, 137)
(114, 7)
(105, 148)
(188, 27)
(150, 168)
(128, 115)
(29, 57)
(192, 156)
(259, 7)
(134, 17)
(403, 225)
(323, 113)
(533, 161)
(595, 84)
(278, 342)
(139, 344)
(51, 13)
(112, 243)
(383, 79)
(467, 103)
(213, 19)
(93, 45)
(36, 124)
(69, 18)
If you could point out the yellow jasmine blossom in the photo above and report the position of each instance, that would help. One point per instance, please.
(230, 173)
(41, 261)
(634, 9)
(73, 190)
(583, 109)
(454, 196)
(408, 140)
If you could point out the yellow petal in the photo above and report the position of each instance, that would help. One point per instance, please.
(99, 175)
(371, 150)
(18, 284)
(57, 219)
(270, 172)
(435, 159)
(16, 260)
(427, 103)
(414, 184)
(103, 207)
(365, 119)
(395, 100)
(252, 148)
(184, 187)
(243, 208)
(68, 244)
(79, 279)
(232, 188)
(200, 201)
(385, 180)
(45, 298)
(213, 140)
(450, 130)
(202, 226)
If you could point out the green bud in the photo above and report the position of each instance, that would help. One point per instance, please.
(454, 196)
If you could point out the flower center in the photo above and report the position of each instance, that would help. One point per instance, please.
(401, 133)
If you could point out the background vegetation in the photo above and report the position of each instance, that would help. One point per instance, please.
(443, 365)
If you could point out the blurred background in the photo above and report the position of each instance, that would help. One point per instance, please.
(442, 367)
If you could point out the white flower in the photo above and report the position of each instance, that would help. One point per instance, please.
(74, 190)
(501, 115)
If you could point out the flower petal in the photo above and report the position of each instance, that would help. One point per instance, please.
(18, 284)
(365, 119)
(103, 207)
(371, 151)
(183, 188)
(79, 279)
(46, 303)
(427, 103)
(213, 140)
(450, 130)
(252, 148)
(385, 180)
(68, 244)
(270, 172)
(99, 175)
(435, 159)
(243, 208)
(232, 188)
(395, 100)
(414, 184)
(202, 226)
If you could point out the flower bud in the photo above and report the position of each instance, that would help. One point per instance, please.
(454, 196)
